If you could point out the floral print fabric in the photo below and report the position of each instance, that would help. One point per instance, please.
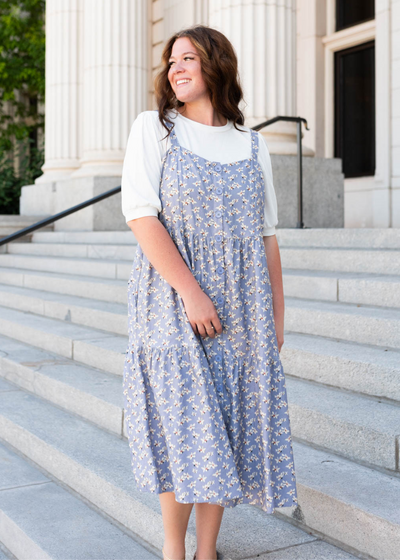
(208, 419)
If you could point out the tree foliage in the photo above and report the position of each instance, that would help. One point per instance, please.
(22, 87)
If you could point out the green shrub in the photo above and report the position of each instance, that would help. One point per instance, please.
(22, 85)
(11, 183)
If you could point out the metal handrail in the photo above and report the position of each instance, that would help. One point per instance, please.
(298, 120)
(116, 190)
(58, 216)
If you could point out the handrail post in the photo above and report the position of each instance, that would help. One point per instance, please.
(300, 223)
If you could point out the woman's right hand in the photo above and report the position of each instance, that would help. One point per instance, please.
(163, 254)
(202, 314)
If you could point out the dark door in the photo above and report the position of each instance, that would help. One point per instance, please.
(355, 109)
(353, 12)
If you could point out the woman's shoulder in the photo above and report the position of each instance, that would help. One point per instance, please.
(147, 118)
(262, 145)
(149, 121)
(249, 131)
(242, 127)
(151, 116)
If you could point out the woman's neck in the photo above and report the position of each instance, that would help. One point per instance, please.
(209, 117)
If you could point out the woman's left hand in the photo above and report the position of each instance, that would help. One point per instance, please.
(275, 275)
(279, 330)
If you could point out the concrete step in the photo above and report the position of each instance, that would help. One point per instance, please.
(367, 289)
(40, 519)
(113, 474)
(378, 238)
(5, 554)
(360, 368)
(89, 392)
(369, 370)
(11, 223)
(374, 238)
(346, 287)
(360, 428)
(82, 250)
(370, 261)
(82, 286)
(363, 259)
(363, 429)
(90, 237)
(110, 317)
(327, 284)
(363, 324)
(103, 268)
(91, 347)
(96, 464)
(347, 502)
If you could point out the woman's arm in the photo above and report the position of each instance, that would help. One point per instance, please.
(161, 251)
(275, 275)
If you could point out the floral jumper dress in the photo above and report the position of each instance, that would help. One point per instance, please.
(208, 418)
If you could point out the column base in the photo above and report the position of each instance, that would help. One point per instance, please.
(110, 169)
(323, 191)
(53, 197)
(56, 170)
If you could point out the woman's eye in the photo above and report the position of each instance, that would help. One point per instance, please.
(186, 57)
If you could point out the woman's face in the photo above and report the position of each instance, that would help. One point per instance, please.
(184, 72)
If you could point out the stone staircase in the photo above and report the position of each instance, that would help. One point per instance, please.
(67, 488)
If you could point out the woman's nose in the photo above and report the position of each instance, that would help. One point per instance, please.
(178, 67)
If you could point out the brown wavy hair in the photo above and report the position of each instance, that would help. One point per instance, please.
(219, 66)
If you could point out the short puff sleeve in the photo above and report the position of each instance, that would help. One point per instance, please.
(141, 169)
(271, 205)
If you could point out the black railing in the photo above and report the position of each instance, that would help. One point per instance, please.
(298, 120)
(58, 216)
(73, 209)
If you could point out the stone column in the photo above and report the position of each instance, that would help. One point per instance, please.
(63, 89)
(115, 81)
(395, 120)
(310, 84)
(386, 193)
(264, 38)
(179, 14)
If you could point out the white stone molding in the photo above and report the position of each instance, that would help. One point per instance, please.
(395, 113)
(63, 147)
(381, 196)
(115, 81)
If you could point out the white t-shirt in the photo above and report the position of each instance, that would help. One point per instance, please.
(145, 150)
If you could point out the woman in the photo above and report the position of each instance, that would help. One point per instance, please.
(204, 389)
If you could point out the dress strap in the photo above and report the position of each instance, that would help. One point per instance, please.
(173, 138)
(254, 144)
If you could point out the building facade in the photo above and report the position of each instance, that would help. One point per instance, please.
(334, 62)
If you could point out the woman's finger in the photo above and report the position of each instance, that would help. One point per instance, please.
(210, 330)
(217, 324)
(201, 330)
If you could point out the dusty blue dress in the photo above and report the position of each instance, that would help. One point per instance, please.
(208, 418)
